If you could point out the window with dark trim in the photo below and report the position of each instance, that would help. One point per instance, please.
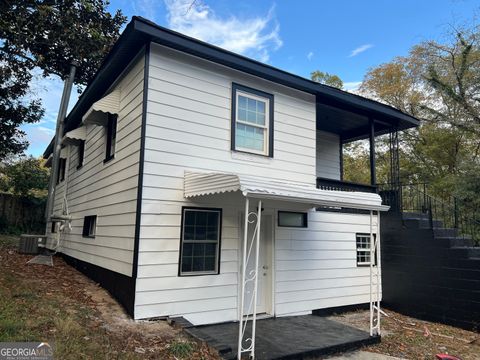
(252, 121)
(363, 249)
(111, 137)
(81, 153)
(53, 230)
(292, 219)
(62, 164)
(200, 241)
(89, 226)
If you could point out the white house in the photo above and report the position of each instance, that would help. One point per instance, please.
(169, 148)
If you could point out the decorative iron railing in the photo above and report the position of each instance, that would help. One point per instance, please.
(338, 185)
(450, 211)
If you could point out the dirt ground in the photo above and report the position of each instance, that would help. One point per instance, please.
(410, 338)
(61, 306)
(58, 304)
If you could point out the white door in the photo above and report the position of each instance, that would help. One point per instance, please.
(264, 290)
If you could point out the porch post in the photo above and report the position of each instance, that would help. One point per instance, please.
(379, 267)
(371, 273)
(244, 266)
(257, 251)
(373, 175)
(341, 158)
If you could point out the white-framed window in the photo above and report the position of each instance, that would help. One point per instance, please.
(200, 241)
(252, 121)
(89, 226)
(363, 249)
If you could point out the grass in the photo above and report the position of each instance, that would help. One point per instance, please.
(181, 349)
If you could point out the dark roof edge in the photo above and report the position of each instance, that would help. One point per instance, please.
(147, 31)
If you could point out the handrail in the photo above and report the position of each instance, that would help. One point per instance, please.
(451, 213)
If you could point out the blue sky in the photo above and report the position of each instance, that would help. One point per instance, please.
(341, 37)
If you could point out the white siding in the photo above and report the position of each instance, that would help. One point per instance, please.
(107, 190)
(188, 128)
(316, 267)
(328, 155)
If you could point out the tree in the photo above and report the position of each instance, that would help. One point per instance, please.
(14, 109)
(326, 79)
(47, 35)
(439, 84)
(26, 177)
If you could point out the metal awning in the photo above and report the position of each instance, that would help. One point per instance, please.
(97, 113)
(75, 136)
(202, 184)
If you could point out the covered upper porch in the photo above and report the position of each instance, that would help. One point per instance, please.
(359, 119)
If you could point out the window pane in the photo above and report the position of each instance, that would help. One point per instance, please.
(291, 219)
(187, 249)
(200, 232)
(250, 137)
(210, 249)
(189, 218)
(198, 264)
(210, 263)
(251, 105)
(187, 264)
(198, 249)
(242, 102)
(261, 107)
(189, 233)
(242, 114)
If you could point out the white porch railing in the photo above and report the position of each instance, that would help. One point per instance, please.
(247, 344)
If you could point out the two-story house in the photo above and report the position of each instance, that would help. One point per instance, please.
(203, 184)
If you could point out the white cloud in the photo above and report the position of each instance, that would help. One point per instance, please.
(146, 8)
(360, 49)
(310, 55)
(255, 36)
(352, 86)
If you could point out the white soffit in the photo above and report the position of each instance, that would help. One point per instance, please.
(74, 136)
(109, 104)
(202, 184)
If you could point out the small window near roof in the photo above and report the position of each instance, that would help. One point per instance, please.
(62, 164)
(54, 227)
(252, 121)
(200, 241)
(292, 219)
(111, 137)
(81, 153)
(89, 226)
(363, 250)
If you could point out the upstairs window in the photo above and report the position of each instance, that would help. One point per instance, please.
(111, 137)
(62, 164)
(89, 226)
(81, 153)
(252, 121)
(200, 241)
(363, 250)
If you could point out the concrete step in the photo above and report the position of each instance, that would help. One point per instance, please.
(445, 232)
(412, 215)
(466, 251)
(422, 223)
(454, 242)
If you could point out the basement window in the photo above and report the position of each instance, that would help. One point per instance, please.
(252, 121)
(89, 226)
(200, 241)
(363, 249)
(53, 230)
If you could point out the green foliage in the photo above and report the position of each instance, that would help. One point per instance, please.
(326, 79)
(181, 349)
(26, 177)
(51, 35)
(47, 35)
(437, 83)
